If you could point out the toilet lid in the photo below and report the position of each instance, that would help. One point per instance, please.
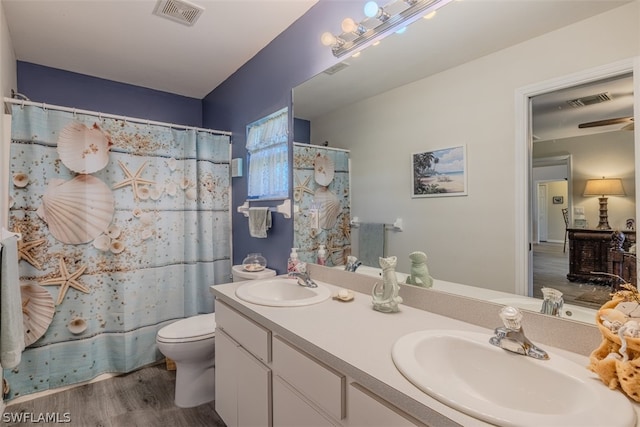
(193, 328)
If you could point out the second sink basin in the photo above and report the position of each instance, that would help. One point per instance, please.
(282, 292)
(462, 370)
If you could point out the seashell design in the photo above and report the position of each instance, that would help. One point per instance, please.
(77, 325)
(156, 192)
(329, 207)
(143, 192)
(102, 242)
(20, 180)
(171, 189)
(114, 231)
(147, 218)
(77, 211)
(116, 246)
(146, 234)
(11, 202)
(82, 149)
(191, 194)
(137, 212)
(172, 164)
(38, 309)
(324, 170)
(185, 183)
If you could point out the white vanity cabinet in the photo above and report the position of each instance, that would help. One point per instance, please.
(317, 391)
(367, 409)
(243, 380)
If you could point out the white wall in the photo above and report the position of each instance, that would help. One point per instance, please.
(468, 239)
(590, 159)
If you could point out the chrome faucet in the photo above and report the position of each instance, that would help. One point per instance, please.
(304, 279)
(552, 302)
(511, 336)
(352, 263)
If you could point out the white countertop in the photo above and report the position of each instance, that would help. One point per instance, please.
(356, 340)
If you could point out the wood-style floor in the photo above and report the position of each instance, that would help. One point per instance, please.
(550, 268)
(143, 398)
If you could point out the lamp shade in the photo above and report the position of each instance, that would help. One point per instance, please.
(604, 187)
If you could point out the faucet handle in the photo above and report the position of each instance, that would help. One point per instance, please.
(511, 317)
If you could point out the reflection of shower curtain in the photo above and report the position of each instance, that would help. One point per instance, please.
(124, 228)
(321, 181)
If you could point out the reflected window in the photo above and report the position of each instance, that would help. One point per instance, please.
(268, 158)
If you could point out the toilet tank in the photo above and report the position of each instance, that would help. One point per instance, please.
(240, 274)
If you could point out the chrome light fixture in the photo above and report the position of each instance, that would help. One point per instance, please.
(378, 21)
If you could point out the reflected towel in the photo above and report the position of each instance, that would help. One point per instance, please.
(259, 222)
(11, 326)
(370, 243)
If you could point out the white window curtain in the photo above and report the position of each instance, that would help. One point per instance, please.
(267, 138)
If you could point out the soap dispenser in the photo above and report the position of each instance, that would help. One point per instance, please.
(292, 262)
(322, 255)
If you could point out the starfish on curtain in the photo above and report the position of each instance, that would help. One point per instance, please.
(24, 247)
(300, 189)
(66, 280)
(133, 180)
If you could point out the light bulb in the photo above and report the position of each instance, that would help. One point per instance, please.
(349, 25)
(430, 14)
(328, 39)
(401, 30)
(371, 9)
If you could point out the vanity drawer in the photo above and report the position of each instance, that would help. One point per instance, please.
(250, 335)
(368, 409)
(313, 379)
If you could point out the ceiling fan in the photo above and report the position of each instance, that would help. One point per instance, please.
(618, 120)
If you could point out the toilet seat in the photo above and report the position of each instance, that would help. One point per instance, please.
(195, 328)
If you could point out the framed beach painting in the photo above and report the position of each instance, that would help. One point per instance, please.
(440, 173)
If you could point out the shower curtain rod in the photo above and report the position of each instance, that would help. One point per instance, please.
(111, 116)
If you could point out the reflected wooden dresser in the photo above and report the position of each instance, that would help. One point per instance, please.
(591, 251)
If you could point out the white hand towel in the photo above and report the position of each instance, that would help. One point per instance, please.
(11, 326)
(259, 222)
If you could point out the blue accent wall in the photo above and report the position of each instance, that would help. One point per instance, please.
(262, 86)
(67, 89)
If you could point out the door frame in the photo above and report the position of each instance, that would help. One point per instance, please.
(523, 150)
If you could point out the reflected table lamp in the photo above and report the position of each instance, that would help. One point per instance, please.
(604, 187)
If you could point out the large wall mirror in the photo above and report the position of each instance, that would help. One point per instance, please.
(431, 88)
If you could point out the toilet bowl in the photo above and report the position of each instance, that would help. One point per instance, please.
(190, 344)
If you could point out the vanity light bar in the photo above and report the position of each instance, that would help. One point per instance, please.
(397, 14)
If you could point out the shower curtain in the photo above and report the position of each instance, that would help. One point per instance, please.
(321, 182)
(124, 228)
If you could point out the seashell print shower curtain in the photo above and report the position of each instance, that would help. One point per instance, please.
(321, 182)
(124, 228)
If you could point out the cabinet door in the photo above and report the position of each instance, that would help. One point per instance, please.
(368, 410)
(291, 410)
(254, 391)
(226, 381)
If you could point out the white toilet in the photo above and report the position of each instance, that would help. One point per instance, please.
(239, 274)
(190, 344)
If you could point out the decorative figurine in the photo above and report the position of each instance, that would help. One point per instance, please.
(385, 297)
(419, 270)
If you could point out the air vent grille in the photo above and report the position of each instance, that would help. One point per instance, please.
(590, 100)
(339, 66)
(180, 11)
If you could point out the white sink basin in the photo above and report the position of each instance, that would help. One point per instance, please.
(282, 292)
(573, 312)
(462, 370)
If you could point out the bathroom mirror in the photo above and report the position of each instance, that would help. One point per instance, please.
(430, 88)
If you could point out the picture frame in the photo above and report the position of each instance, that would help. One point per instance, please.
(558, 200)
(439, 173)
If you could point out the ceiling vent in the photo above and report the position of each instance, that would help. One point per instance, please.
(180, 11)
(338, 67)
(590, 100)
